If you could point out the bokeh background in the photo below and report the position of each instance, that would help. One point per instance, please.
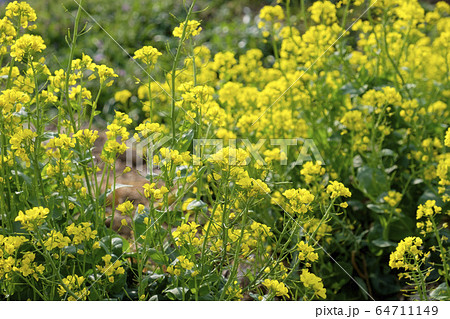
(227, 26)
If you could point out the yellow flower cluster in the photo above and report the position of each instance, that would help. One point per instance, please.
(174, 157)
(12, 100)
(269, 13)
(122, 96)
(299, 200)
(337, 189)
(146, 129)
(148, 54)
(81, 233)
(393, 198)
(234, 292)
(56, 239)
(126, 208)
(253, 187)
(105, 74)
(26, 266)
(62, 141)
(306, 253)
(323, 12)
(110, 269)
(407, 254)
(193, 28)
(150, 191)
(311, 171)
(22, 143)
(181, 263)
(117, 129)
(32, 218)
(228, 156)
(279, 288)
(427, 211)
(323, 230)
(23, 11)
(26, 46)
(310, 280)
(447, 138)
(9, 247)
(86, 137)
(187, 233)
(75, 284)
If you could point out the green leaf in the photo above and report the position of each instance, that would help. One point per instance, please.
(387, 152)
(375, 208)
(383, 243)
(372, 180)
(441, 292)
(384, 284)
(140, 226)
(177, 293)
(185, 141)
(156, 256)
(196, 204)
(113, 244)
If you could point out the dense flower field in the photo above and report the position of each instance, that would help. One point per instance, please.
(318, 171)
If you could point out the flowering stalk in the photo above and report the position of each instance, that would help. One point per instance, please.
(174, 70)
(442, 254)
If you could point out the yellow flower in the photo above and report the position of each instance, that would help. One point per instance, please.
(186, 233)
(278, 287)
(337, 189)
(154, 193)
(32, 218)
(148, 54)
(310, 280)
(11, 243)
(299, 199)
(110, 269)
(26, 266)
(447, 138)
(81, 232)
(26, 46)
(146, 129)
(192, 29)
(62, 141)
(310, 170)
(74, 284)
(7, 32)
(269, 13)
(428, 210)
(306, 252)
(56, 239)
(12, 100)
(126, 208)
(86, 137)
(122, 96)
(105, 73)
(23, 11)
(393, 198)
(185, 263)
(406, 254)
(323, 11)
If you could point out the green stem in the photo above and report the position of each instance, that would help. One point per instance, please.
(174, 71)
(236, 255)
(443, 254)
